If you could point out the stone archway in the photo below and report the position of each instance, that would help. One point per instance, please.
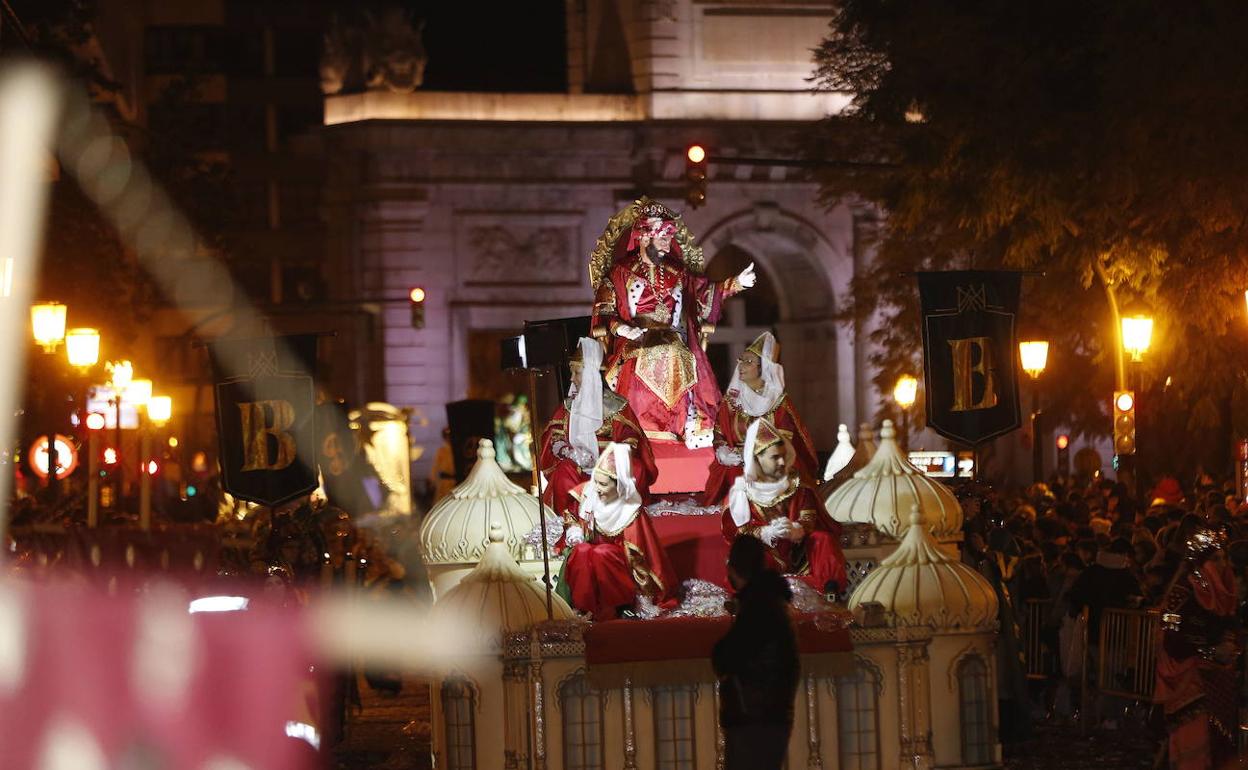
(798, 264)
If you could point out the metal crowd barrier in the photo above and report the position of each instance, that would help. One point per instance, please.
(1038, 656)
(1128, 653)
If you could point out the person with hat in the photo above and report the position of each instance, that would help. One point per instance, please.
(651, 307)
(770, 502)
(590, 418)
(755, 391)
(614, 561)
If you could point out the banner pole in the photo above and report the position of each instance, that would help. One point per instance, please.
(534, 451)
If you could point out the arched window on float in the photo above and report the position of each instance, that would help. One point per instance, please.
(582, 725)
(674, 727)
(857, 718)
(974, 713)
(459, 708)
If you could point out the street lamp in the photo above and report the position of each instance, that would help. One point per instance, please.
(1034, 356)
(47, 323)
(138, 392)
(82, 348)
(159, 410)
(904, 394)
(1137, 333)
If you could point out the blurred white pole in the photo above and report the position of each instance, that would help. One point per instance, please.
(93, 478)
(145, 477)
(29, 103)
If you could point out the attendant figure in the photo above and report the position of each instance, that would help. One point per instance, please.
(589, 419)
(755, 391)
(770, 502)
(615, 561)
(756, 663)
(1197, 685)
(651, 308)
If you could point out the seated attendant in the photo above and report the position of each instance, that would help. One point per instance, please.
(770, 502)
(615, 559)
(591, 417)
(755, 391)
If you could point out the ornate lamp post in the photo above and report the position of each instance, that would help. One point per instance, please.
(1034, 355)
(904, 394)
(82, 348)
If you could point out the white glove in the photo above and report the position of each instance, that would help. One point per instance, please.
(629, 332)
(747, 279)
(727, 455)
(796, 532)
(774, 530)
(582, 457)
(573, 536)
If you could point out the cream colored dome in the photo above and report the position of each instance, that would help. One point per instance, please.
(881, 493)
(921, 585)
(498, 597)
(457, 530)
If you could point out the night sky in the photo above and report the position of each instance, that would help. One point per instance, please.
(507, 46)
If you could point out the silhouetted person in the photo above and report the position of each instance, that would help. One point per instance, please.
(756, 663)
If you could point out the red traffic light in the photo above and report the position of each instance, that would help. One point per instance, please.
(1124, 401)
(417, 294)
(95, 421)
(1063, 441)
(696, 153)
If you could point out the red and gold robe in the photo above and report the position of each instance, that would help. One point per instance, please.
(730, 426)
(619, 424)
(611, 569)
(817, 558)
(660, 372)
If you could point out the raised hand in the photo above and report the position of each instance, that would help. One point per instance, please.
(747, 278)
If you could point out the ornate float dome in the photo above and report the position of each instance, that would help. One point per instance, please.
(921, 585)
(455, 534)
(499, 597)
(889, 486)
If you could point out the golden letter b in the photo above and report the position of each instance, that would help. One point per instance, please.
(964, 374)
(256, 431)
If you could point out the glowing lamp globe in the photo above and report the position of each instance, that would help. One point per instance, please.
(138, 392)
(1034, 355)
(1137, 334)
(82, 347)
(905, 391)
(47, 323)
(95, 421)
(119, 374)
(160, 409)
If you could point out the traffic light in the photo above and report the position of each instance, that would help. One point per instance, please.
(695, 175)
(1124, 422)
(417, 297)
(1063, 455)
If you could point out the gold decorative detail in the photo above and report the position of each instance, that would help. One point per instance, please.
(602, 258)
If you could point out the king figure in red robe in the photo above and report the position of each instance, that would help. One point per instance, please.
(652, 309)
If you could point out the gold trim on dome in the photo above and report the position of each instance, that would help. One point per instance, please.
(602, 258)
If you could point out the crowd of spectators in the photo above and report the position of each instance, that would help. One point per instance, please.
(1059, 548)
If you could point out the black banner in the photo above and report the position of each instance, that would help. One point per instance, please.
(470, 421)
(970, 353)
(266, 417)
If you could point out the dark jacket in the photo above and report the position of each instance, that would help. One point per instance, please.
(1107, 583)
(756, 661)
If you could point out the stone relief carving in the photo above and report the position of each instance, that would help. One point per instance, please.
(375, 52)
(498, 254)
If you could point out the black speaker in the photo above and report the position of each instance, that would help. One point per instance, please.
(470, 421)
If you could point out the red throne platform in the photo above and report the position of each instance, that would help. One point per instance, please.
(693, 540)
(680, 469)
